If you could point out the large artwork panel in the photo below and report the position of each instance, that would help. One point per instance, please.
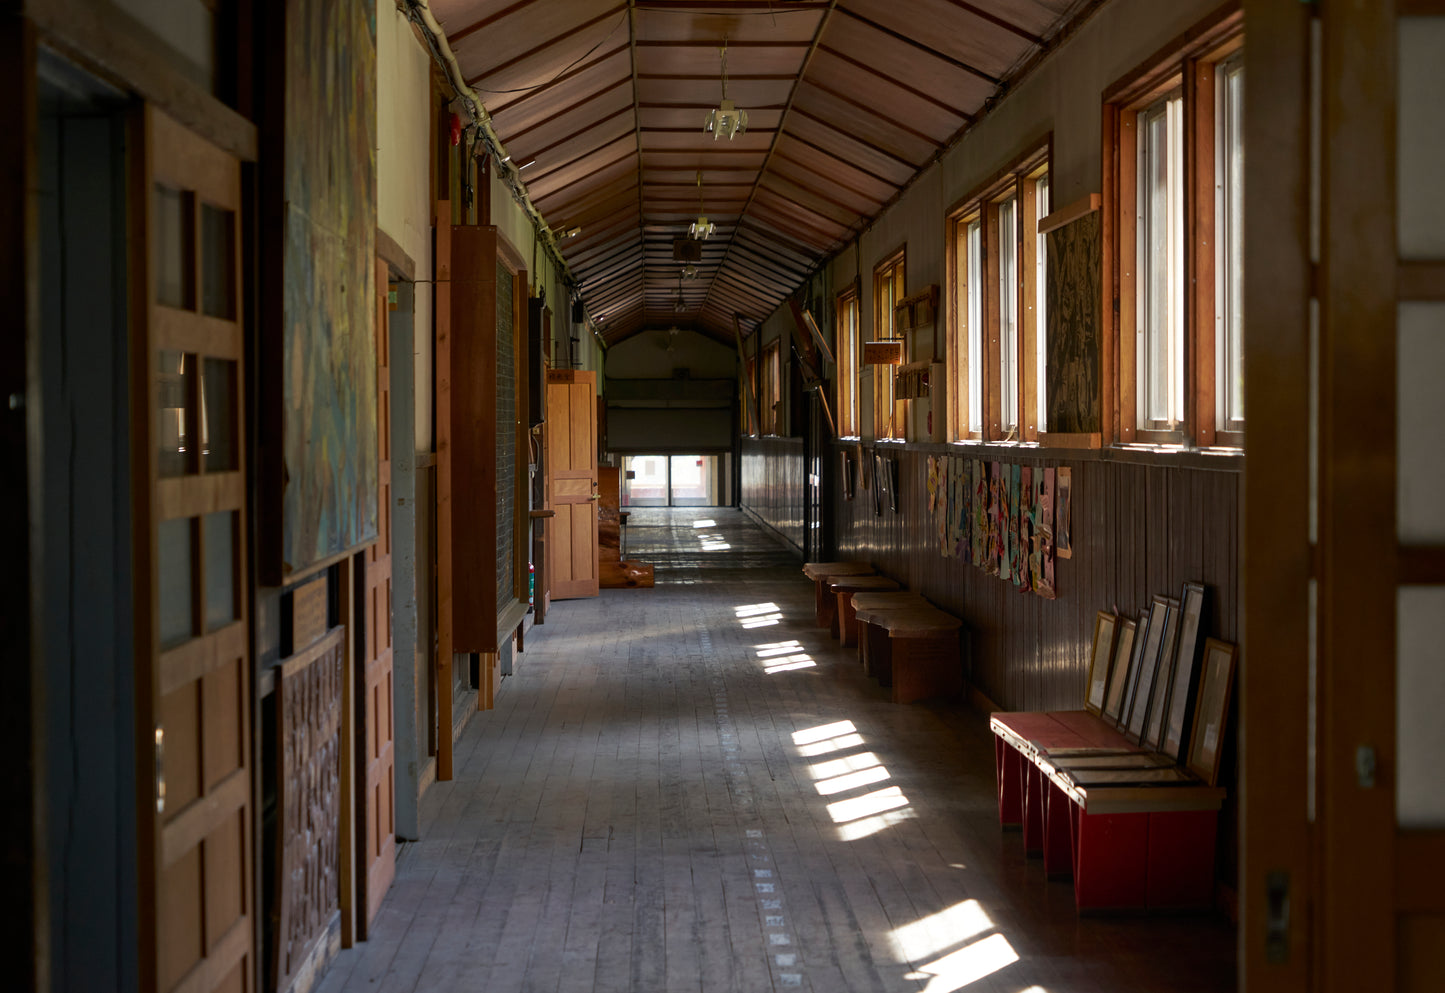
(1072, 338)
(328, 443)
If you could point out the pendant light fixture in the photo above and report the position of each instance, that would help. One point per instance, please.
(702, 228)
(726, 121)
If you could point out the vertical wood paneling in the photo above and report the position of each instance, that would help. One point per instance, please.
(1138, 530)
(773, 490)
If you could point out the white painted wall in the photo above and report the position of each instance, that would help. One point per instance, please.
(403, 178)
(515, 225)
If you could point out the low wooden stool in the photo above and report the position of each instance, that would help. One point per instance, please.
(864, 600)
(843, 589)
(822, 573)
(918, 651)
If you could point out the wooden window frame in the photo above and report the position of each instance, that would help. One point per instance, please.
(849, 344)
(1018, 181)
(892, 269)
(771, 371)
(1187, 64)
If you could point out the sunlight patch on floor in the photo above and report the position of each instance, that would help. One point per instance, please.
(758, 615)
(966, 966)
(867, 826)
(704, 524)
(888, 798)
(937, 932)
(784, 656)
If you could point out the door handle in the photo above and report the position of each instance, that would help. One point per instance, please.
(160, 769)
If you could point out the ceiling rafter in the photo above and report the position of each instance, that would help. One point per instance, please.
(792, 96)
(874, 73)
(989, 78)
(549, 43)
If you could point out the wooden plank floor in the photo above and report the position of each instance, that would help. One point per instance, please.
(693, 788)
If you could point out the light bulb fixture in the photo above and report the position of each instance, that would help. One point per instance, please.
(726, 121)
(701, 228)
(689, 271)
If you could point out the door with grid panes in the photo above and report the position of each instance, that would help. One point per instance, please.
(194, 680)
(378, 806)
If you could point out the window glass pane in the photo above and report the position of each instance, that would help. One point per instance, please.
(1160, 238)
(1420, 471)
(1420, 138)
(218, 264)
(172, 241)
(975, 325)
(1229, 291)
(173, 566)
(1419, 688)
(218, 420)
(220, 548)
(1041, 320)
(175, 387)
(1008, 310)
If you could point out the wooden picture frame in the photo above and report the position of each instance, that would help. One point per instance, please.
(1119, 672)
(1206, 738)
(878, 473)
(1185, 684)
(848, 460)
(1106, 631)
(1159, 701)
(1148, 668)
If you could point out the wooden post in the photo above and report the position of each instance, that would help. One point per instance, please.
(442, 312)
(1275, 542)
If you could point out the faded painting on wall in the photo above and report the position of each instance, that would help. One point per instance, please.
(1072, 337)
(328, 443)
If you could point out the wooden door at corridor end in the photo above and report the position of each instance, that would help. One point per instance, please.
(572, 563)
(376, 809)
(193, 675)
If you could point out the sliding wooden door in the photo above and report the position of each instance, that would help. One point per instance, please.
(572, 484)
(376, 832)
(193, 679)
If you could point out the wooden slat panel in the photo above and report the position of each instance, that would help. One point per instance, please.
(191, 826)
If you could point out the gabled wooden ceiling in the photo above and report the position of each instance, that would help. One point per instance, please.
(847, 101)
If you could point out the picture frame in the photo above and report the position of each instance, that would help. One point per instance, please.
(1185, 685)
(1148, 668)
(1206, 737)
(1119, 671)
(848, 459)
(877, 462)
(1159, 702)
(1106, 627)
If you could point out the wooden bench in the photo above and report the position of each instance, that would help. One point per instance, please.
(843, 588)
(1133, 830)
(821, 573)
(895, 599)
(912, 649)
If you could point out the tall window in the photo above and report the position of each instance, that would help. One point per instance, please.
(1229, 242)
(849, 347)
(973, 240)
(888, 289)
(1041, 324)
(996, 265)
(749, 398)
(771, 395)
(1160, 264)
(1008, 315)
(1175, 199)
